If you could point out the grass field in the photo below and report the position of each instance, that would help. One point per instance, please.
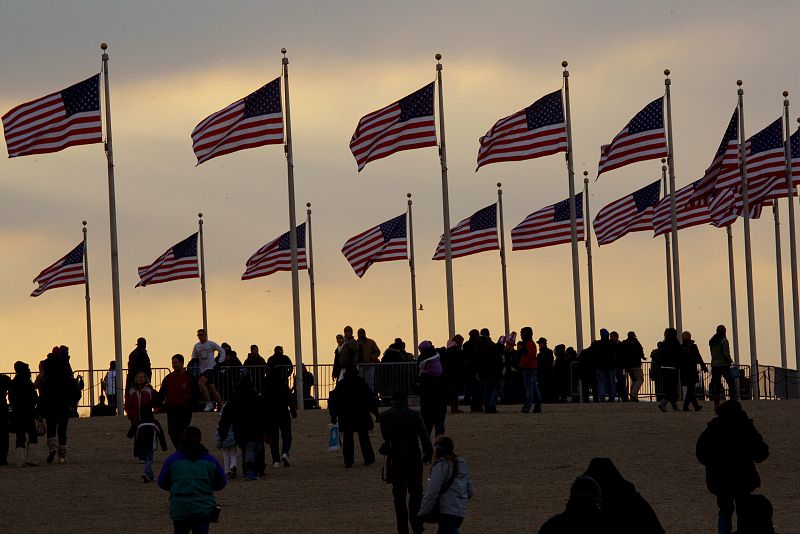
(521, 466)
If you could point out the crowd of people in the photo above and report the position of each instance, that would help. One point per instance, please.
(256, 407)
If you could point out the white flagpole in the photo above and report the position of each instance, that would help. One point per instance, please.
(298, 343)
(576, 275)
(779, 272)
(310, 247)
(112, 209)
(88, 317)
(202, 271)
(506, 320)
(792, 232)
(670, 303)
(732, 291)
(414, 324)
(676, 270)
(587, 224)
(748, 260)
(448, 252)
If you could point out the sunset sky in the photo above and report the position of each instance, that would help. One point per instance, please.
(174, 63)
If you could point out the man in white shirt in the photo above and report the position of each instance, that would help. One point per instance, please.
(204, 353)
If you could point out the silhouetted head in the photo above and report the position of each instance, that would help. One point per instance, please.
(399, 398)
(585, 487)
(348, 332)
(485, 332)
(362, 334)
(141, 343)
(473, 333)
(631, 335)
(670, 334)
(603, 333)
(526, 333)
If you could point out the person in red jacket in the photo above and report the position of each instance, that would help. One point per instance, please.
(528, 365)
(145, 430)
(179, 395)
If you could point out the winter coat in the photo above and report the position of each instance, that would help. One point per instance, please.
(545, 361)
(403, 432)
(179, 390)
(631, 354)
(348, 356)
(670, 354)
(351, 402)
(720, 353)
(139, 405)
(279, 400)
(454, 500)
(23, 399)
(729, 448)
(149, 435)
(191, 475)
(138, 360)
(248, 415)
(604, 354)
(368, 351)
(689, 362)
(58, 390)
(282, 364)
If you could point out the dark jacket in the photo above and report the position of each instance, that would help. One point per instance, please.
(627, 511)
(630, 353)
(729, 448)
(488, 361)
(689, 361)
(254, 360)
(351, 402)
(670, 353)
(58, 390)
(248, 413)
(23, 398)
(282, 363)
(179, 391)
(138, 360)
(191, 475)
(603, 354)
(403, 432)
(279, 400)
(546, 361)
(581, 516)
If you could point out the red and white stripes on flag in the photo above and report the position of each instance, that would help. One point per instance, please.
(548, 226)
(686, 214)
(385, 242)
(253, 121)
(178, 262)
(474, 234)
(67, 271)
(277, 256)
(403, 125)
(57, 121)
(642, 138)
(632, 213)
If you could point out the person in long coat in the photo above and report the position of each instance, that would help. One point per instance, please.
(351, 405)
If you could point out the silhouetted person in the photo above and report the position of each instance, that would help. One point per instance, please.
(528, 365)
(101, 409)
(24, 403)
(587, 373)
(721, 362)
(620, 388)
(490, 368)
(583, 513)
(755, 516)
(433, 390)
(605, 367)
(545, 371)
(282, 408)
(453, 364)
(179, 394)
(351, 405)
(562, 373)
(631, 356)
(58, 391)
(689, 374)
(403, 433)
(350, 350)
(729, 448)
(670, 354)
(247, 413)
(138, 360)
(473, 353)
(110, 385)
(280, 363)
(627, 511)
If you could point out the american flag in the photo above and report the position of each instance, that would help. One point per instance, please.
(548, 226)
(642, 139)
(385, 242)
(57, 121)
(277, 256)
(725, 159)
(472, 235)
(403, 125)
(687, 214)
(632, 213)
(68, 271)
(178, 262)
(722, 209)
(536, 131)
(255, 120)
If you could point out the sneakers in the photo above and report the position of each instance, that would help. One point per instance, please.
(524, 411)
(209, 407)
(52, 445)
(250, 476)
(285, 459)
(276, 465)
(147, 478)
(231, 472)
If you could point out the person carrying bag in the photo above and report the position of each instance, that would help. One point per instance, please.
(449, 488)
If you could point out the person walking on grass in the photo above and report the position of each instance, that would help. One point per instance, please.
(449, 486)
(689, 375)
(721, 362)
(179, 395)
(192, 475)
(203, 352)
(24, 401)
(528, 365)
(58, 391)
(281, 409)
(145, 430)
(670, 355)
(351, 405)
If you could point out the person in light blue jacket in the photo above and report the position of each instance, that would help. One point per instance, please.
(450, 485)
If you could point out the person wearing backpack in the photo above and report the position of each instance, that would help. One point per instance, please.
(449, 488)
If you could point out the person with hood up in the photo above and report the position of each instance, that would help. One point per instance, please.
(689, 374)
(528, 365)
(670, 355)
(351, 405)
(583, 513)
(450, 486)
(433, 389)
(247, 413)
(192, 475)
(24, 400)
(145, 430)
(729, 448)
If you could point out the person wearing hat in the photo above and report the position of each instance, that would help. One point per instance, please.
(583, 512)
(433, 397)
(403, 434)
(546, 366)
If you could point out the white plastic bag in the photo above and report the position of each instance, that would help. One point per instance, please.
(333, 437)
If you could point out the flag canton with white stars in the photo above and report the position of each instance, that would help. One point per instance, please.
(82, 97)
(650, 118)
(561, 209)
(265, 101)
(394, 228)
(76, 256)
(770, 138)
(647, 197)
(546, 111)
(186, 248)
(284, 242)
(484, 219)
(731, 133)
(794, 144)
(417, 104)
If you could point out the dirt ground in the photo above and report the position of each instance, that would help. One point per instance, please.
(521, 466)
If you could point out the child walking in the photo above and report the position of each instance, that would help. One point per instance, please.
(146, 432)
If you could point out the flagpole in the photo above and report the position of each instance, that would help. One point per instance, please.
(779, 272)
(309, 245)
(792, 232)
(732, 291)
(298, 345)
(112, 209)
(588, 226)
(748, 260)
(448, 252)
(202, 271)
(670, 302)
(506, 320)
(88, 317)
(576, 276)
(414, 324)
(676, 270)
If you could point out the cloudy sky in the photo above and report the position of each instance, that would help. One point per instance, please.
(174, 63)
